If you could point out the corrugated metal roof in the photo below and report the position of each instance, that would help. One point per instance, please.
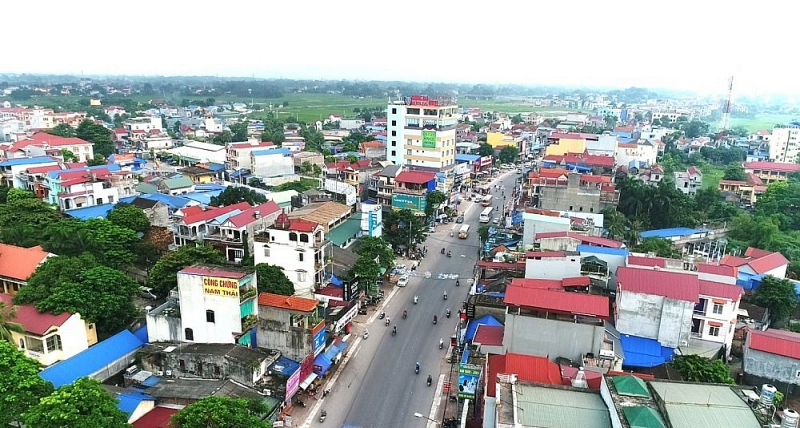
(672, 285)
(557, 301)
(702, 405)
(550, 407)
(780, 342)
(630, 385)
(643, 417)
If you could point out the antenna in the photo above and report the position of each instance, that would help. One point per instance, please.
(726, 111)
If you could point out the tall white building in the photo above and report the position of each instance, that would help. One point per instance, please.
(298, 246)
(421, 133)
(784, 145)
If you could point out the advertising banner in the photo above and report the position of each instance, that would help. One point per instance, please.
(409, 202)
(486, 160)
(225, 287)
(292, 385)
(468, 375)
(429, 139)
(319, 342)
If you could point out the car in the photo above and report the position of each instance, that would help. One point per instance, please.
(401, 269)
(496, 220)
(147, 293)
(403, 281)
(460, 219)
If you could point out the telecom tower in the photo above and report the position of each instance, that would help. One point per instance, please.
(726, 110)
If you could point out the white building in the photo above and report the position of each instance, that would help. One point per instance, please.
(534, 224)
(10, 128)
(298, 246)
(271, 162)
(143, 124)
(605, 145)
(351, 123)
(214, 126)
(552, 264)
(421, 132)
(158, 142)
(636, 154)
(689, 181)
(784, 145)
(213, 305)
(237, 155)
(372, 219)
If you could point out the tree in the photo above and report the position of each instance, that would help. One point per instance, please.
(695, 128)
(236, 194)
(306, 168)
(81, 404)
(98, 135)
(4, 193)
(164, 275)
(112, 245)
(221, 412)
(509, 154)
(432, 201)
(97, 160)
(659, 246)
(239, 131)
(22, 387)
(68, 156)
(485, 150)
(366, 269)
(782, 200)
(377, 248)
(694, 368)
(403, 228)
(317, 171)
(7, 325)
(517, 119)
(129, 217)
(176, 127)
(62, 130)
(271, 279)
(223, 138)
(23, 221)
(734, 172)
(614, 223)
(778, 296)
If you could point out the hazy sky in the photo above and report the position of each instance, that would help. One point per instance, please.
(688, 45)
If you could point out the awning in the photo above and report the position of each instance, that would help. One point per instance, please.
(322, 364)
(344, 232)
(305, 383)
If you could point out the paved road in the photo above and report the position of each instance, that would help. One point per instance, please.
(378, 387)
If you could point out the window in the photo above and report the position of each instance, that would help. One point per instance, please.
(293, 236)
(394, 153)
(394, 123)
(216, 370)
(199, 368)
(717, 308)
(394, 133)
(266, 252)
(22, 343)
(189, 335)
(394, 143)
(301, 276)
(54, 343)
(182, 364)
(304, 237)
(209, 316)
(300, 257)
(35, 345)
(713, 331)
(394, 110)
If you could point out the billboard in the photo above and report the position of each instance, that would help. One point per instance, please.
(468, 375)
(225, 287)
(319, 341)
(409, 202)
(429, 139)
(486, 160)
(292, 385)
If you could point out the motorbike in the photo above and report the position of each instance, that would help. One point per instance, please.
(394, 331)
(451, 233)
(300, 403)
(405, 314)
(362, 311)
(445, 296)
(325, 393)
(416, 299)
(366, 335)
(441, 344)
(447, 314)
(435, 319)
(429, 380)
(322, 416)
(382, 315)
(416, 369)
(457, 283)
(387, 322)
(449, 254)
(442, 250)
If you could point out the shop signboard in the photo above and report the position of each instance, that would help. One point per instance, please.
(468, 376)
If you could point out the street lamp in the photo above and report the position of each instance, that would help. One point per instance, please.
(420, 415)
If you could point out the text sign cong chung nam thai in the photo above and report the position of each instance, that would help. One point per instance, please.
(225, 287)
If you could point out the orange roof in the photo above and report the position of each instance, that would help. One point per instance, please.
(294, 303)
(18, 262)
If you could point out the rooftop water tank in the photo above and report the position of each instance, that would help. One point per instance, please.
(767, 394)
(789, 418)
(579, 381)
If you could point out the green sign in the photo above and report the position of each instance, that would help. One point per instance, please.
(409, 202)
(429, 139)
(468, 376)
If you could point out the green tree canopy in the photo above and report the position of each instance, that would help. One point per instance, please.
(778, 296)
(781, 199)
(404, 228)
(164, 275)
(15, 195)
(110, 244)
(220, 412)
(376, 247)
(129, 217)
(68, 156)
(432, 201)
(695, 368)
(486, 150)
(734, 172)
(7, 325)
(235, 194)
(659, 246)
(366, 269)
(272, 279)
(81, 404)
(62, 130)
(22, 387)
(98, 135)
(238, 131)
(23, 221)
(509, 154)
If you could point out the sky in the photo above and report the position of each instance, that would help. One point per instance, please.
(683, 45)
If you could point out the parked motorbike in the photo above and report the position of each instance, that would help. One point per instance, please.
(323, 416)
(441, 344)
(300, 403)
(362, 311)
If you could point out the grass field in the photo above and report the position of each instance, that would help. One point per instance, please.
(765, 121)
(711, 177)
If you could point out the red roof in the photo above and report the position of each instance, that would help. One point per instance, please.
(591, 240)
(593, 379)
(551, 284)
(582, 158)
(528, 368)
(197, 214)
(760, 261)
(332, 291)
(18, 262)
(54, 140)
(557, 301)
(249, 145)
(718, 289)
(156, 418)
(716, 269)
(209, 271)
(672, 285)
(491, 335)
(249, 215)
(415, 177)
(32, 320)
(300, 225)
(544, 254)
(647, 261)
(772, 166)
(43, 169)
(780, 342)
(595, 178)
(71, 175)
(733, 261)
(294, 303)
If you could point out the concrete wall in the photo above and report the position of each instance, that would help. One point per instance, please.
(162, 328)
(559, 244)
(553, 267)
(762, 367)
(676, 322)
(549, 338)
(537, 223)
(654, 317)
(206, 365)
(569, 198)
(275, 332)
(194, 304)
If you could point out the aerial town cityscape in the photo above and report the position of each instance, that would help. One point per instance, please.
(194, 250)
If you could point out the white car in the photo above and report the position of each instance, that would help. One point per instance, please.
(403, 281)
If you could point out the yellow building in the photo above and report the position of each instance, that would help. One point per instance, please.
(566, 145)
(500, 140)
(198, 174)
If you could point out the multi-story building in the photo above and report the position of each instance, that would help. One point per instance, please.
(213, 305)
(770, 172)
(231, 234)
(271, 162)
(784, 146)
(299, 247)
(17, 264)
(291, 325)
(41, 144)
(380, 186)
(237, 155)
(421, 133)
(192, 224)
(411, 190)
(145, 124)
(12, 170)
(560, 190)
(689, 181)
(637, 154)
(49, 338)
(91, 186)
(745, 193)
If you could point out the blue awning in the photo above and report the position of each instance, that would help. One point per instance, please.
(643, 352)
(465, 356)
(472, 328)
(336, 281)
(322, 364)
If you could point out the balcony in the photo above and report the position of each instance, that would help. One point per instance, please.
(407, 191)
(247, 293)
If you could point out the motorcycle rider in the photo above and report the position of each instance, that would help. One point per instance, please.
(441, 343)
(405, 313)
(394, 329)
(416, 368)
(430, 379)
(448, 312)
(435, 319)
(445, 295)
(388, 321)
(457, 283)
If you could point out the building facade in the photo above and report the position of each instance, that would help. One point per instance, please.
(421, 132)
(784, 146)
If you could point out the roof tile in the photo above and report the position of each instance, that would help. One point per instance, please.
(294, 303)
(20, 263)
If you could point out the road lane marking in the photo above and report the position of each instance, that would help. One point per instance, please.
(436, 400)
(331, 383)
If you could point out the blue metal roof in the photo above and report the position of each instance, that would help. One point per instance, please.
(282, 151)
(141, 333)
(324, 364)
(27, 161)
(284, 366)
(169, 200)
(202, 197)
(670, 233)
(472, 328)
(467, 158)
(643, 352)
(93, 359)
(465, 355)
(86, 213)
(129, 401)
(111, 167)
(602, 250)
(207, 187)
(627, 140)
(215, 167)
